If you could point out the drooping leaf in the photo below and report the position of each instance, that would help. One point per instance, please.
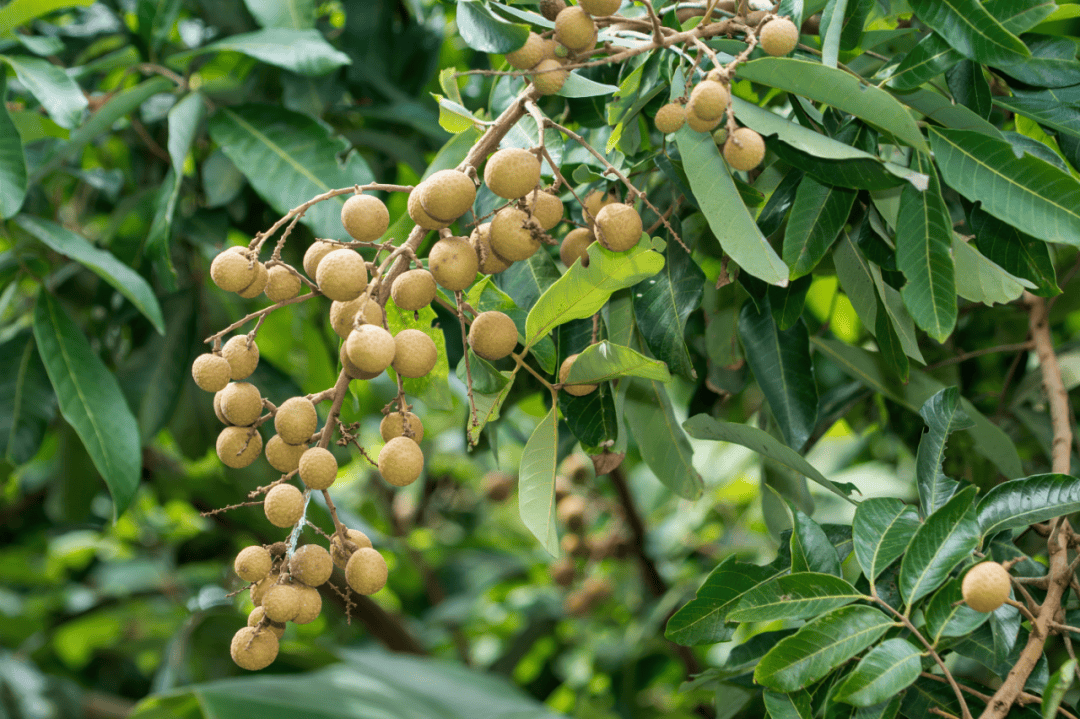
(787, 303)
(578, 85)
(1015, 251)
(27, 400)
(943, 416)
(930, 57)
(945, 539)
(799, 595)
(295, 14)
(661, 305)
(885, 671)
(305, 52)
(488, 407)
(57, 93)
(660, 439)
(90, 400)
(889, 343)
(882, 529)
(947, 615)
(12, 161)
(701, 621)
(1056, 688)
(591, 418)
(969, 87)
(536, 482)
(819, 213)
(1027, 501)
(483, 31)
(811, 550)
(971, 30)
(1052, 63)
(605, 361)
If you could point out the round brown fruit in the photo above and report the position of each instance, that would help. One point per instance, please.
(986, 586)
(366, 571)
(546, 208)
(578, 390)
(447, 195)
(241, 403)
(238, 447)
(262, 278)
(490, 263)
(453, 263)
(365, 217)
(401, 461)
(550, 9)
(259, 589)
(314, 254)
(708, 100)
(697, 124)
(571, 512)
(744, 149)
(528, 55)
(217, 409)
(493, 335)
(282, 456)
(258, 616)
(242, 356)
(618, 227)
(352, 370)
(413, 290)
(562, 571)
(343, 314)
(416, 353)
(284, 505)
(342, 275)
(311, 564)
(575, 246)
(512, 172)
(211, 372)
(232, 271)
(778, 36)
(252, 563)
(296, 420)
(371, 348)
(281, 602)
(593, 203)
(549, 76)
(575, 29)
(282, 284)
(340, 553)
(310, 605)
(496, 486)
(670, 118)
(393, 425)
(600, 8)
(511, 238)
(254, 648)
(318, 469)
(421, 218)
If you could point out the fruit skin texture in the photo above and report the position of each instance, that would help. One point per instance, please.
(618, 227)
(242, 358)
(283, 505)
(310, 605)
(575, 29)
(575, 246)
(670, 118)
(232, 271)
(546, 208)
(296, 420)
(352, 370)
(366, 571)
(779, 36)
(342, 275)
(413, 290)
(318, 469)
(282, 456)
(986, 586)
(234, 439)
(253, 648)
(314, 254)
(211, 372)
(421, 218)
(257, 285)
(493, 335)
(550, 9)
(511, 238)
(549, 76)
(252, 563)
(571, 512)
(526, 56)
(258, 590)
(393, 425)
(600, 8)
(416, 354)
(708, 100)
(281, 284)
(697, 124)
(241, 403)
(343, 314)
(447, 195)
(490, 263)
(453, 263)
(578, 390)
(512, 172)
(311, 564)
(340, 553)
(281, 602)
(365, 217)
(401, 461)
(744, 149)
(593, 203)
(256, 618)
(497, 486)
(371, 348)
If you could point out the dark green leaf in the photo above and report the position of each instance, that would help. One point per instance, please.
(1027, 501)
(776, 208)
(12, 161)
(943, 416)
(793, 596)
(929, 58)
(947, 616)
(1055, 108)
(1052, 64)
(882, 529)
(786, 303)
(945, 539)
(661, 305)
(155, 20)
(885, 710)
(295, 14)
(27, 401)
(971, 30)
(811, 550)
(305, 52)
(578, 85)
(57, 93)
(536, 482)
(889, 343)
(701, 621)
(969, 87)
(1018, 253)
(819, 213)
(484, 32)
(793, 705)
(885, 671)
(660, 439)
(591, 418)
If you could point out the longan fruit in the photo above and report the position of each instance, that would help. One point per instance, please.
(575, 246)
(745, 149)
(493, 335)
(575, 29)
(283, 505)
(258, 590)
(217, 409)
(577, 468)
(352, 370)
(778, 37)
(708, 100)
(986, 586)
(550, 9)
(311, 564)
(343, 314)
(512, 172)
(314, 254)
(366, 571)
(593, 203)
(401, 461)
(241, 403)
(211, 372)
(393, 425)
(282, 456)
(413, 290)
(600, 8)
(490, 263)
(571, 512)
(262, 277)
(253, 563)
(341, 553)
(563, 486)
(618, 227)
(670, 118)
(242, 356)
(453, 263)
(310, 605)
(296, 420)
(528, 55)
(258, 616)
(282, 284)
(719, 136)
(365, 217)
(342, 275)
(281, 602)
(578, 390)
(447, 195)
(697, 124)
(562, 571)
(232, 271)
(421, 218)
(416, 353)
(318, 468)
(496, 486)
(597, 588)
(253, 648)
(549, 76)
(546, 208)
(371, 348)
(510, 237)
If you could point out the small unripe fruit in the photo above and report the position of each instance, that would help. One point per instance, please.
(371, 348)
(986, 586)
(232, 271)
(779, 36)
(510, 236)
(365, 218)
(493, 335)
(562, 571)
(366, 571)
(526, 56)
(343, 314)
(393, 425)
(281, 602)
(670, 118)
(259, 589)
(352, 370)
(342, 275)
(211, 372)
(262, 278)
(719, 136)
(593, 203)
(447, 195)
(310, 605)
(282, 284)
(618, 227)
(496, 486)
(253, 648)
(708, 100)
(318, 469)
(550, 9)
(575, 29)
(421, 218)
(453, 263)
(241, 403)
(311, 564)
(242, 356)
(697, 124)
(578, 390)
(512, 172)
(744, 150)
(401, 461)
(314, 254)
(258, 616)
(600, 8)
(340, 553)
(490, 263)
(252, 563)
(413, 290)
(416, 353)
(284, 505)
(296, 420)
(282, 456)
(546, 208)
(575, 246)
(549, 76)
(571, 512)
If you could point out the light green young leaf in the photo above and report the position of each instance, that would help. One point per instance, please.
(1060, 683)
(605, 361)
(57, 93)
(20, 12)
(536, 482)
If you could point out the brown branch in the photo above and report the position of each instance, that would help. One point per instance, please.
(650, 574)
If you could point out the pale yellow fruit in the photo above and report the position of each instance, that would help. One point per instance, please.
(575, 246)
(310, 605)
(281, 602)
(340, 553)
(283, 505)
(618, 227)
(258, 590)
(490, 263)
(453, 263)
(393, 425)
(510, 236)
(342, 275)
(413, 290)
(238, 447)
(241, 403)
(447, 195)
(744, 149)
(217, 409)
(986, 586)
(366, 571)
(562, 571)
(593, 203)
(282, 456)
(296, 420)
(365, 218)
(314, 254)
(232, 271)
(497, 486)
(211, 372)
(371, 348)
(493, 335)
(546, 208)
(512, 172)
(779, 36)
(697, 124)
(352, 370)
(283, 284)
(578, 390)
(600, 8)
(570, 511)
(416, 353)
(258, 616)
(575, 29)
(311, 564)
(343, 314)
(670, 118)
(252, 563)
(549, 76)
(318, 468)
(527, 55)
(253, 648)
(401, 461)
(708, 100)
(242, 356)
(262, 278)
(421, 218)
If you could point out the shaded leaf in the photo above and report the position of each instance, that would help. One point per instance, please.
(488, 407)
(1056, 688)
(660, 439)
(980, 280)
(661, 305)
(947, 615)
(12, 160)
(701, 621)
(1017, 252)
(295, 14)
(792, 705)
(57, 93)
(930, 57)
(969, 87)
(885, 671)
(605, 361)
(1027, 501)
(945, 539)
(943, 416)
(811, 550)
(819, 213)
(591, 418)
(483, 31)
(1052, 63)
(305, 52)
(27, 401)
(882, 529)
(971, 30)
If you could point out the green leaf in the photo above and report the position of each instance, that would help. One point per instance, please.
(831, 28)
(582, 291)
(661, 305)
(838, 89)
(1055, 108)
(123, 279)
(780, 361)
(1056, 688)
(1052, 64)
(536, 482)
(488, 407)
(946, 538)
(881, 531)
(931, 57)
(980, 280)
(90, 400)
(433, 389)
(787, 303)
(971, 30)
(58, 94)
(485, 295)
(577, 85)
(305, 52)
(155, 19)
(1029, 193)
(702, 426)
(660, 439)
(1027, 501)
(485, 32)
(729, 219)
(811, 550)
(20, 12)
(943, 416)
(1016, 252)
(605, 361)
(591, 418)
(947, 615)
(938, 108)
(701, 621)
(793, 596)
(819, 213)
(794, 705)
(885, 671)
(889, 343)
(12, 160)
(885, 710)
(819, 647)
(289, 158)
(969, 87)
(294, 14)
(27, 401)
